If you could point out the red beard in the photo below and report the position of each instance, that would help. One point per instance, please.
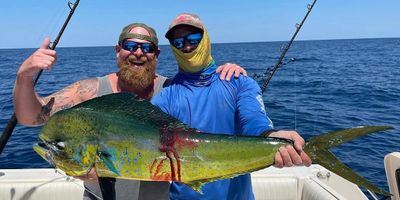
(137, 78)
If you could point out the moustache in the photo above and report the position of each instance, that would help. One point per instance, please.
(133, 59)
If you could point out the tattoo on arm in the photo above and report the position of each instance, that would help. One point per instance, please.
(67, 98)
(88, 88)
(66, 106)
(62, 99)
(44, 114)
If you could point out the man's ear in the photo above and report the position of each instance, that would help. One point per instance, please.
(117, 48)
(157, 52)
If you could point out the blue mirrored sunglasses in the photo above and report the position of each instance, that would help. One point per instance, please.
(193, 39)
(132, 46)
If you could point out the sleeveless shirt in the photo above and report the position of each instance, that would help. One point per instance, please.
(129, 189)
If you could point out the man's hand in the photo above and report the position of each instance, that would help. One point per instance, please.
(288, 155)
(43, 58)
(228, 69)
(90, 176)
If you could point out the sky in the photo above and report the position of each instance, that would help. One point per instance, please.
(25, 23)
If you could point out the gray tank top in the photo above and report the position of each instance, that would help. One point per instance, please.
(129, 189)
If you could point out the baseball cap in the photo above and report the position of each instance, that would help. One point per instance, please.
(184, 19)
(125, 33)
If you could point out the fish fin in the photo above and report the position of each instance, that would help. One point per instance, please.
(128, 105)
(196, 186)
(336, 138)
(318, 150)
(105, 158)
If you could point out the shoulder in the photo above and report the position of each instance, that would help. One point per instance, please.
(169, 92)
(87, 85)
(242, 82)
(245, 79)
(162, 81)
(92, 82)
(162, 98)
(161, 77)
(82, 90)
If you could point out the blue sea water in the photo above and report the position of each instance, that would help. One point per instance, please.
(330, 85)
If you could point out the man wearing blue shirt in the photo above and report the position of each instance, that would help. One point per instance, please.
(200, 99)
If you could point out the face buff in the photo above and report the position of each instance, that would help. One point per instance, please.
(196, 60)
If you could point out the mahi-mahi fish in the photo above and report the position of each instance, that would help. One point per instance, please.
(125, 137)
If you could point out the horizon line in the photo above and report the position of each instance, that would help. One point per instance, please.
(239, 42)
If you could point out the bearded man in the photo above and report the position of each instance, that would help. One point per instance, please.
(136, 53)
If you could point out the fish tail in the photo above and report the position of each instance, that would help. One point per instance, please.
(318, 150)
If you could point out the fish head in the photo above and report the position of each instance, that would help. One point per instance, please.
(66, 145)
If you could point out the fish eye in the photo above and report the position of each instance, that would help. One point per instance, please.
(60, 145)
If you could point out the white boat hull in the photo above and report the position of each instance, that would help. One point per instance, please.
(294, 183)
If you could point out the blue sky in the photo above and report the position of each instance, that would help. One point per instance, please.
(98, 23)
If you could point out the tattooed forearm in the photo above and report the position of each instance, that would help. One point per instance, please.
(44, 114)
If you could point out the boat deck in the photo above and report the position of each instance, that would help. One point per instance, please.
(297, 183)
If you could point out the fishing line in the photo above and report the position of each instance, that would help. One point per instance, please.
(51, 25)
(13, 120)
(68, 178)
(269, 73)
(295, 97)
(3, 104)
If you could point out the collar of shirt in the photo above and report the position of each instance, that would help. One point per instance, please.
(202, 78)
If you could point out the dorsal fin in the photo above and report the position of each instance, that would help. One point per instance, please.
(128, 105)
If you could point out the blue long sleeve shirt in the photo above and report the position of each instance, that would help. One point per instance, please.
(211, 105)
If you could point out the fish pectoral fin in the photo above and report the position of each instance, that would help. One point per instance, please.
(105, 158)
(196, 186)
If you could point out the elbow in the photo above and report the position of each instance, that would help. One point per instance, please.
(26, 122)
(26, 119)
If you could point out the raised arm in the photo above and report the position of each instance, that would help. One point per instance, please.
(33, 110)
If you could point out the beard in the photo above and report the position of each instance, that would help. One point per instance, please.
(137, 78)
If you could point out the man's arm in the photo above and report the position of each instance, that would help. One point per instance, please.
(33, 110)
(250, 108)
(253, 120)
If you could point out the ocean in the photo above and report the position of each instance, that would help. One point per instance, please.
(328, 85)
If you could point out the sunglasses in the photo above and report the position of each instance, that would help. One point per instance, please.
(193, 39)
(133, 46)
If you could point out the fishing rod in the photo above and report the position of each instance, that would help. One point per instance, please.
(270, 72)
(13, 120)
